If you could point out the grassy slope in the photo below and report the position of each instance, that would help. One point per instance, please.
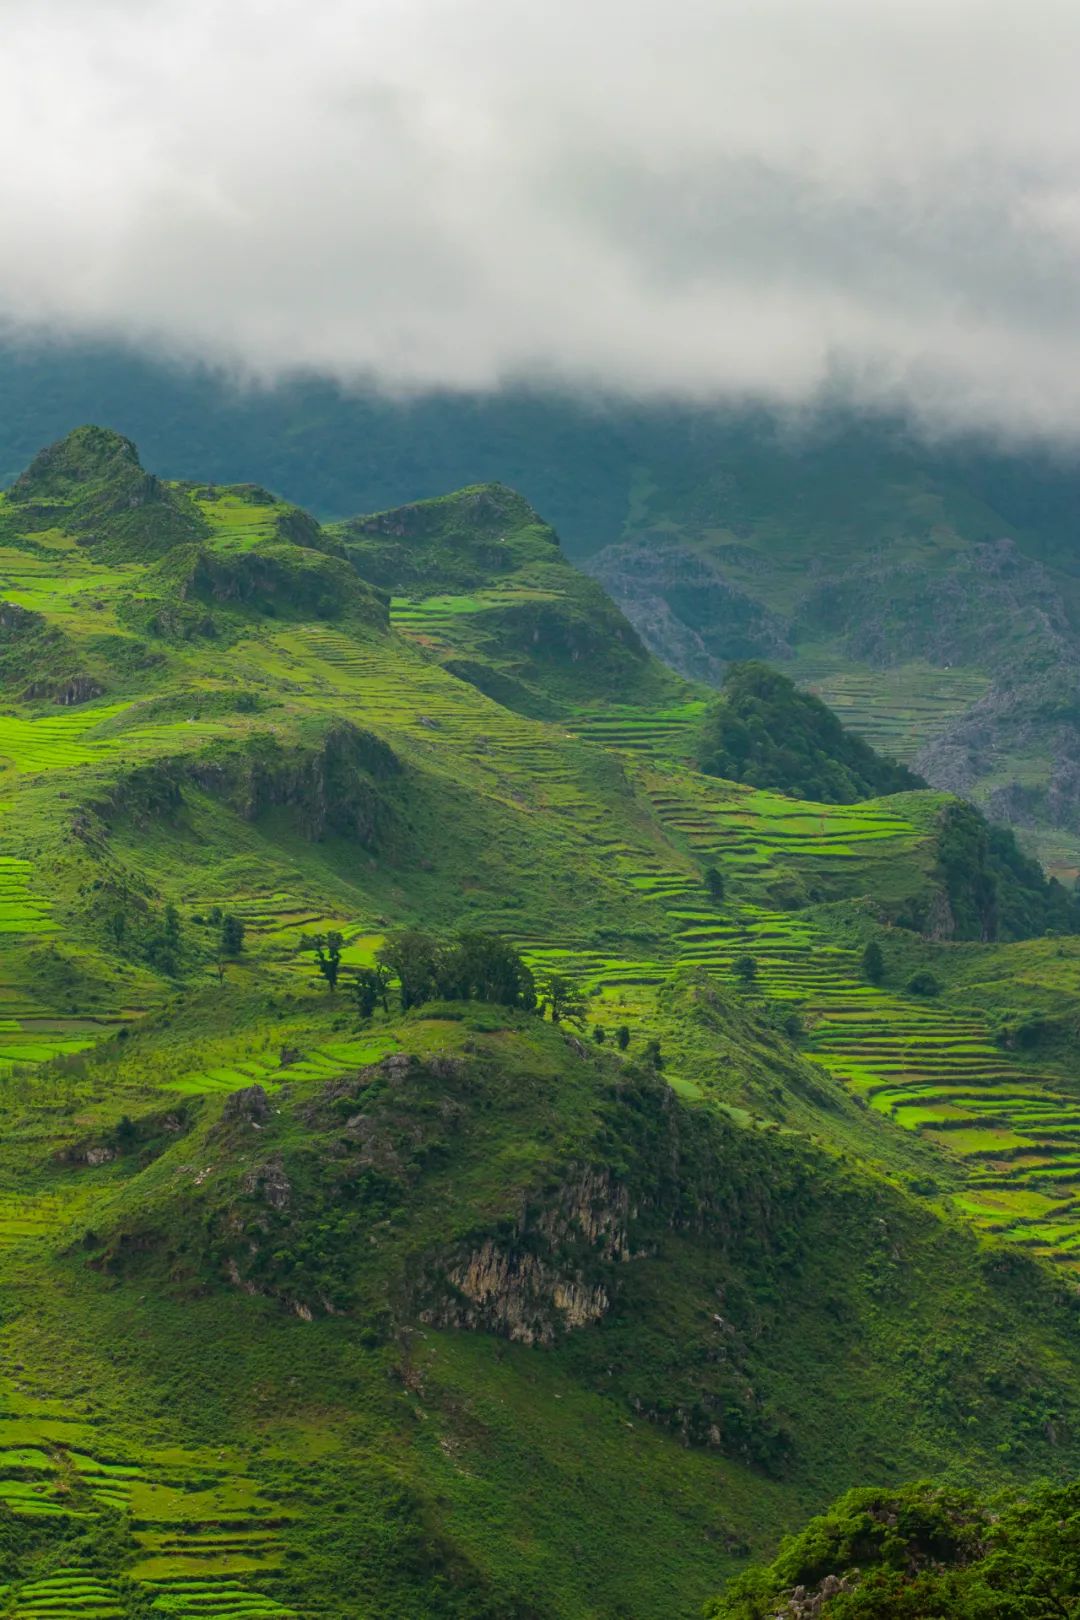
(258, 738)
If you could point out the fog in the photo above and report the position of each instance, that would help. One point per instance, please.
(698, 199)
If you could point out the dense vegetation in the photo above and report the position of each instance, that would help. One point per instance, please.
(924, 1551)
(764, 731)
(456, 1158)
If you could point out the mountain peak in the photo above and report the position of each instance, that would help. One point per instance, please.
(93, 485)
(87, 457)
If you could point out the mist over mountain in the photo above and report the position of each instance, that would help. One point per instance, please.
(926, 588)
(764, 203)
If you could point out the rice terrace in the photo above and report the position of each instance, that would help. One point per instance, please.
(435, 1103)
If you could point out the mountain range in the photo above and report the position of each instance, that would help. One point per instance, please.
(343, 1276)
(926, 590)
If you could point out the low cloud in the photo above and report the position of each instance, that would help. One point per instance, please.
(765, 199)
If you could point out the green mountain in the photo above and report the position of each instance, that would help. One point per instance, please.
(926, 591)
(453, 1310)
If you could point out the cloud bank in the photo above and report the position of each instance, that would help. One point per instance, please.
(765, 199)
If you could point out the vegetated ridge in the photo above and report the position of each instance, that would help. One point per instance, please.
(925, 590)
(329, 1299)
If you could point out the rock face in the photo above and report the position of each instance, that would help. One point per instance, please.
(269, 1183)
(534, 1286)
(337, 784)
(804, 1604)
(687, 609)
(251, 1106)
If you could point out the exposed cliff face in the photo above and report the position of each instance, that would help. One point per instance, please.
(332, 786)
(687, 607)
(39, 661)
(536, 1284)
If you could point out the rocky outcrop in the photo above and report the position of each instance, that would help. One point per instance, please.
(338, 783)
(68, 693)
(520, 1296)
(537, 1284)
(687, 607)
(250, 1106)
(269, 1184)
(804, 1603)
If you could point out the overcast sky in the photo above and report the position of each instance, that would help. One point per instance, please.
(689, 197)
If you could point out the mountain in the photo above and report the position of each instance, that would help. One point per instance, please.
(448, 1309)
(927, 591)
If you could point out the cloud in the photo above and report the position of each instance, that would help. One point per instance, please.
(770, 199)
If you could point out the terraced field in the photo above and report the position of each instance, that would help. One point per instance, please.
(928, 1067)
(755, 831)
(204, 1527)
(21, 910)
(658, 733)
(432, 620)
(898, 710)
(85, 737)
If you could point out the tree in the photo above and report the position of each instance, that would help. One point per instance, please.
(232, 936)
(368, 989)
(652, 1054)
(714, 882)
(412, 958)
(745, 968)
(923, 983)
(328, 957)
(622, 1037)
(163, 947)
(472, 967)
(483, 967)
(564, 1000)
(873, 963)
(599, 1034)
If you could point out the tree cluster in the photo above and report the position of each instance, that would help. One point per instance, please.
(924, 1550)
(473, 966)
(764, 731)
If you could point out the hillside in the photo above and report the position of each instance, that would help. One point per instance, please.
(922, 1551)
(481, 581)
(926, 591)
(454, 1311)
